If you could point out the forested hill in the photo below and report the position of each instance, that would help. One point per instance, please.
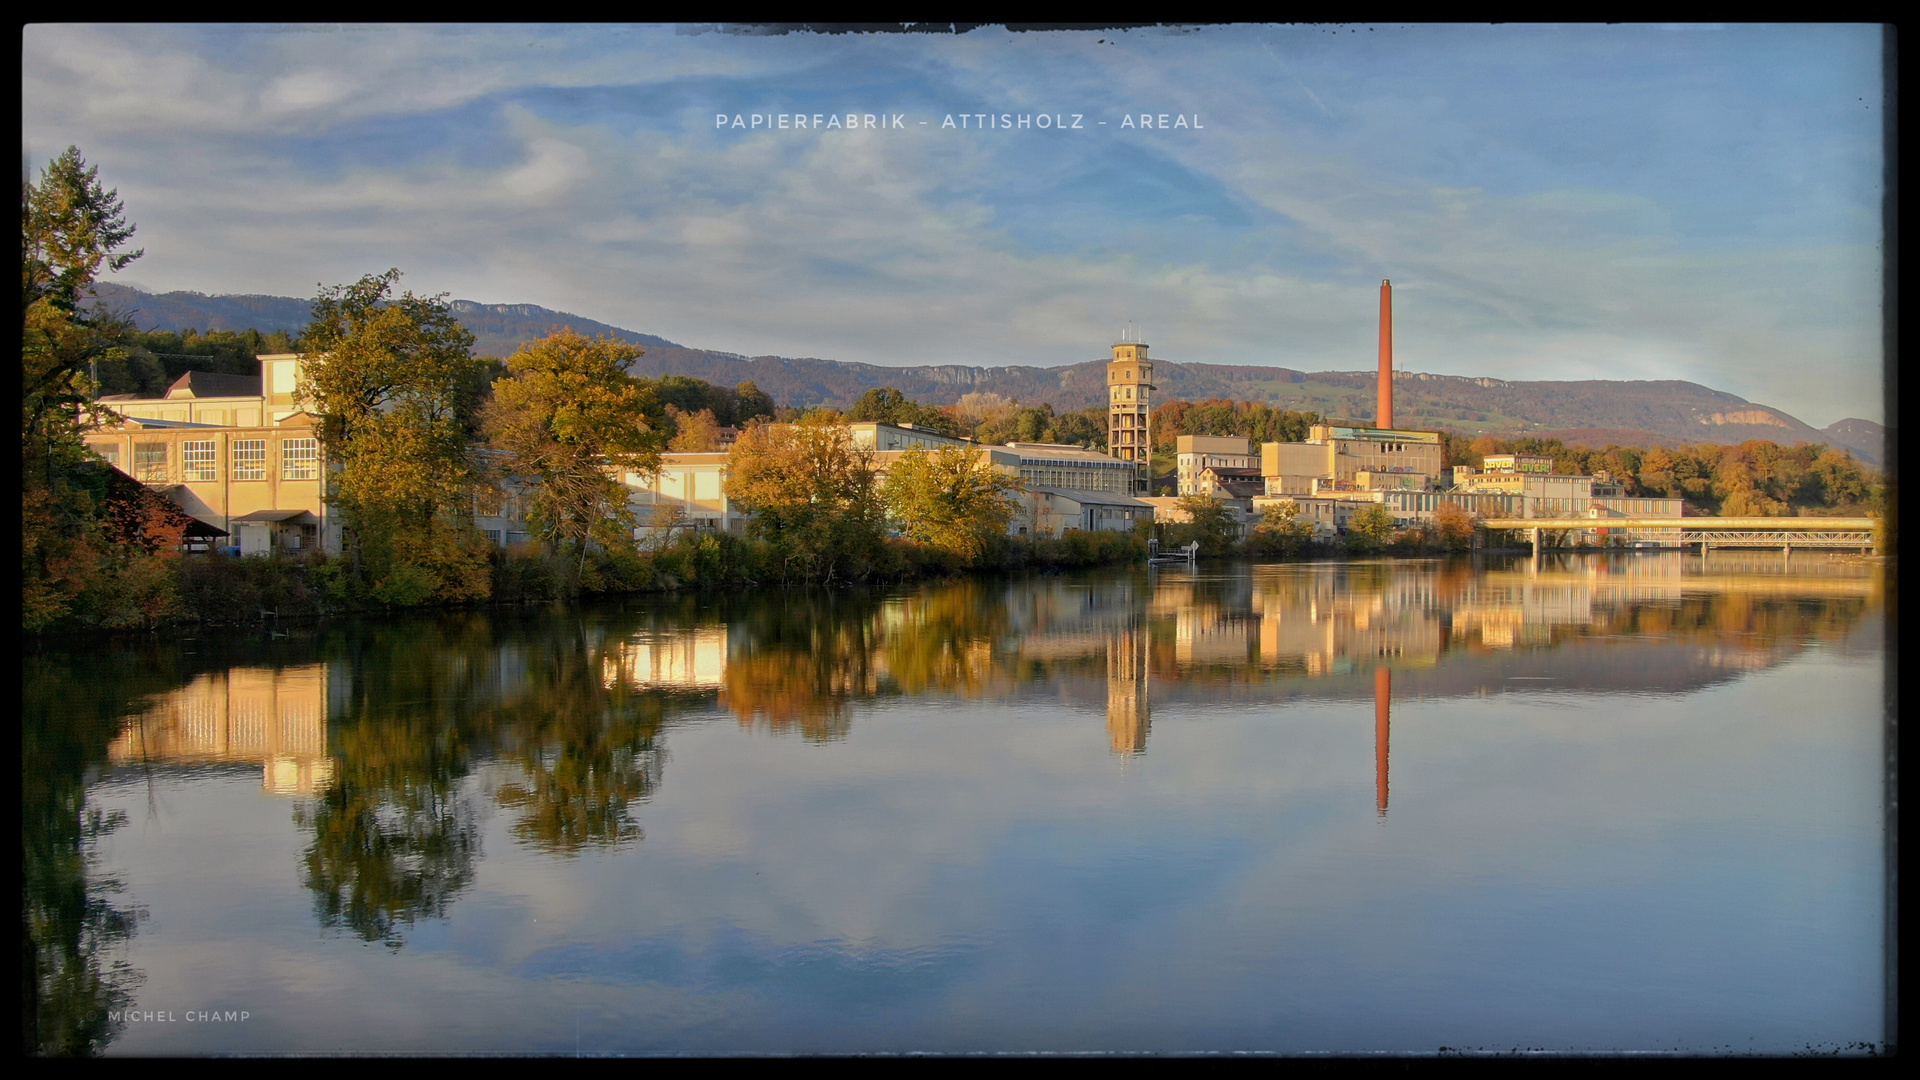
(1594, 412)
(498, 329)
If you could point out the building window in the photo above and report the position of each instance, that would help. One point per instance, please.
(110, 454)
(150, 461)
(199, 460)
(299, 459)
(250, 459)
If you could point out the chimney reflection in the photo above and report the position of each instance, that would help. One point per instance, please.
(1382, 706)
(1128, 711)
(274, 716)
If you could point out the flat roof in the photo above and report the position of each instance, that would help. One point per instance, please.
(1097, 498)
(1063, 452)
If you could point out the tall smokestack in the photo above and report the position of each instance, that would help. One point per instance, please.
(1384, 416)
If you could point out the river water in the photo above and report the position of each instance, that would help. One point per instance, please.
(1590, 803)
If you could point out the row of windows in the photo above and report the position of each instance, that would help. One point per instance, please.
(1077, 479)
(200, 460)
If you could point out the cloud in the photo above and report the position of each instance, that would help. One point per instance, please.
(579, 169)
(553, 167)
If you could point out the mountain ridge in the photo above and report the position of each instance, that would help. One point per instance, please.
(1589, 412)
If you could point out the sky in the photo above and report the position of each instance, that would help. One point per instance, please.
(1551, 202)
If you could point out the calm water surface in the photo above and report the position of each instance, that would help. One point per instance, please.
(1590, 804)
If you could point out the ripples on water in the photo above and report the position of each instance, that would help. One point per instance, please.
(1591, 804)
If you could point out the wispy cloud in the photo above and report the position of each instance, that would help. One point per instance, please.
(1552, 203)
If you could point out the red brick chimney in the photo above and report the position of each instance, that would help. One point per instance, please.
(1384, 416)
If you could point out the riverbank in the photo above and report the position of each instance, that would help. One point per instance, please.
(213, 590)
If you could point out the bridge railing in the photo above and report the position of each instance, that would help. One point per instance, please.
(1788, 533)
(1693, 524)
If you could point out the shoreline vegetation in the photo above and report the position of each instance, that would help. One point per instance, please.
(418, 434)
(215, 590)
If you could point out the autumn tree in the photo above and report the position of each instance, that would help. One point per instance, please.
(813, 498)
(72, 229)
(570, 421)
(390, 379)
(1455, 525)
(693, 433)
(1209, 521)
(1281, 532)
(951, 498)
(1370, 527)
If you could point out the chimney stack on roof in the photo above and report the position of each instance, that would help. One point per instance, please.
(1384, 416)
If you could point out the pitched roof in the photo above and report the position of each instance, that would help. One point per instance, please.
(268, 517)
(201, 384)
(137, 515)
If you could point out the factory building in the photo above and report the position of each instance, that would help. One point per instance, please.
(238, 453)
(1339, 469)
(1065, 487)
(1193, 453)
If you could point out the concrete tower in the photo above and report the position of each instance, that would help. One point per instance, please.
(1130, 407)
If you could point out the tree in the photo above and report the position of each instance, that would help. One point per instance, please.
(1455, 525)
(1211, 522)
(569, 419)
(391, 381)
(1371, 526)
(1280, 531)
(1039, 423)
(951, 498)
(813, 498)
(690, 395)
(693, 433)
(887, 405)
(750, 403)
(71, 229)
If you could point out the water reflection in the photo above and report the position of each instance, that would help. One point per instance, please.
(75, 922)
(273, 717)
(395, 740)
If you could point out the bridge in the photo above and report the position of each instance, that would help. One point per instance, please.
(1785, 533)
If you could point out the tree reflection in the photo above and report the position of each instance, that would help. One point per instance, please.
(70, 921)
(584, 747)
(393, 840)
(803, 658)
(942, 640)
(397, 835)
(555, 719)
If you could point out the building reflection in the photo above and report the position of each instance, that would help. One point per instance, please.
(399, 735)
(1271, 631)
(694, 659)
(273, 717)
(1128, 708)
